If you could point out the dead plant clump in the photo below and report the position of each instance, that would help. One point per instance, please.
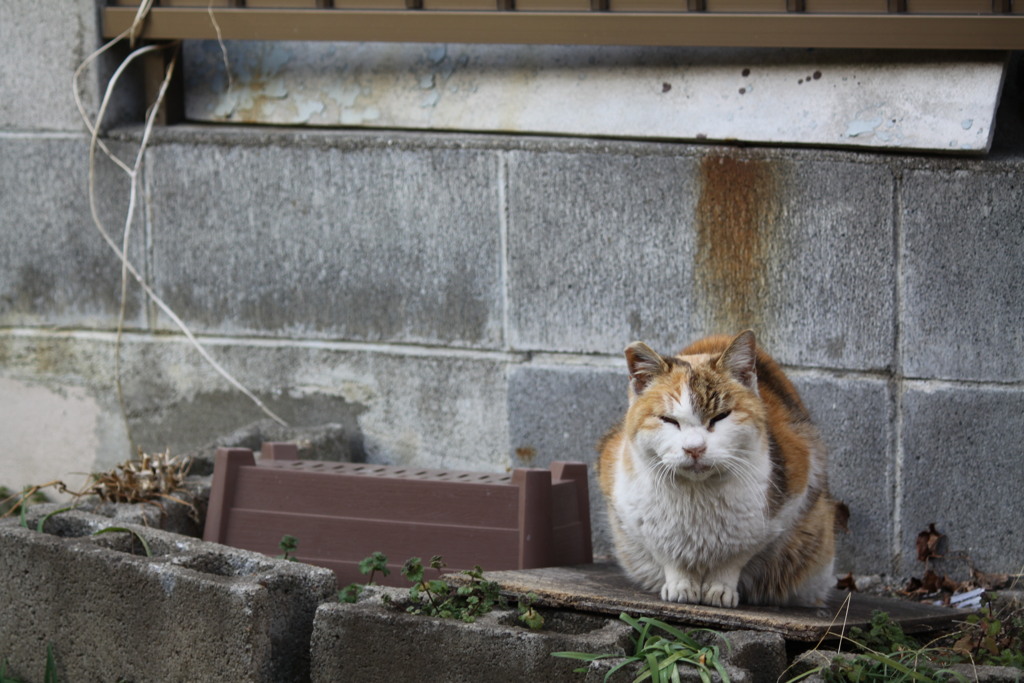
(149, 479)
(933, 587)
(932, 584)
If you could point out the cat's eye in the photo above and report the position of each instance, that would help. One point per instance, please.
(718, 418)
(669, 420)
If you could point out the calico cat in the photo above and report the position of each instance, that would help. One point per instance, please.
(715, 480)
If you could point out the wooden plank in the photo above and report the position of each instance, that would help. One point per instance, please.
(949, 6)
(647, 5)
(849, 6)
(603, 588)
(553, 5)
(746, 6)
(277, 4)
(786, 29)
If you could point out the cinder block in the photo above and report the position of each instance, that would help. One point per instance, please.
(962, 275)
(192, 611)
(369, 642)
(44, 42)
(762, 655)
(812, 665)
(963, 464)
(55, 268)
(597, 244)
(369, 243)
(608, 248)
(855, 418)
(560, 413)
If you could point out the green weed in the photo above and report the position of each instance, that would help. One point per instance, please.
(49, 673)
(369, 566)
(288, 546)
(438, 597)
(527, 614)
(883, 652)
(660, 654)
(993, 636)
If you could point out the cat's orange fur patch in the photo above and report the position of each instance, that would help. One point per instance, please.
(784, 409)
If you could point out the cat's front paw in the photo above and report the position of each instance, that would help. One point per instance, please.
(681, 589)
(720, 595)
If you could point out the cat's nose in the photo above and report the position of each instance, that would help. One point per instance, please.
(696, 452)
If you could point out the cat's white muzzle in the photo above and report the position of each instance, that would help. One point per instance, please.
(686, 466)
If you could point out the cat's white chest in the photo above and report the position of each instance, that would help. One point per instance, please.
(695, 524)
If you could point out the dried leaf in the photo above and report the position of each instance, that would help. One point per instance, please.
(965, 646)
(940, 583)
(847, 583)
(913, 586)
(928, 544)
(989, 582)
(931, 582)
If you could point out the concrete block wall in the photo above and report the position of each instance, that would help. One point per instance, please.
(357, 642)
(189, 611)
(463, 300)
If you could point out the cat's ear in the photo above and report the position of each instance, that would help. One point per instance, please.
(739, 359)
(645, 365)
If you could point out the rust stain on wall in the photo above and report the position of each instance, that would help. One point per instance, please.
(526, 453)
(736, 214)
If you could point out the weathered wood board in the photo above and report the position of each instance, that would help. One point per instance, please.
(604, 589)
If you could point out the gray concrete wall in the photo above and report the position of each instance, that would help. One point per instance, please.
(463, 300)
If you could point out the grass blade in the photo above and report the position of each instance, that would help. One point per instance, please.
(121, 529)
(582, 656)
(671, 630)
(652, 668)
(615, 669)
(42, 522)
(22, 509)
(898, 666)
(50, 675)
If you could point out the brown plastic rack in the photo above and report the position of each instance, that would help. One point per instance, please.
(343, 512)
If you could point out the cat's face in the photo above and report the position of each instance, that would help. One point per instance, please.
(695, 417)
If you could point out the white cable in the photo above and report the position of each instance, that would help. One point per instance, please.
(133, 173)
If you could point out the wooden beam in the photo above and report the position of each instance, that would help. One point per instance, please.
(697, 29)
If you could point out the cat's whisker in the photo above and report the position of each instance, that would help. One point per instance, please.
(746, 468)
(665, 474)
(744, 472)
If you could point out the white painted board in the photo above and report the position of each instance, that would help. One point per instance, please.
(938, 101)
